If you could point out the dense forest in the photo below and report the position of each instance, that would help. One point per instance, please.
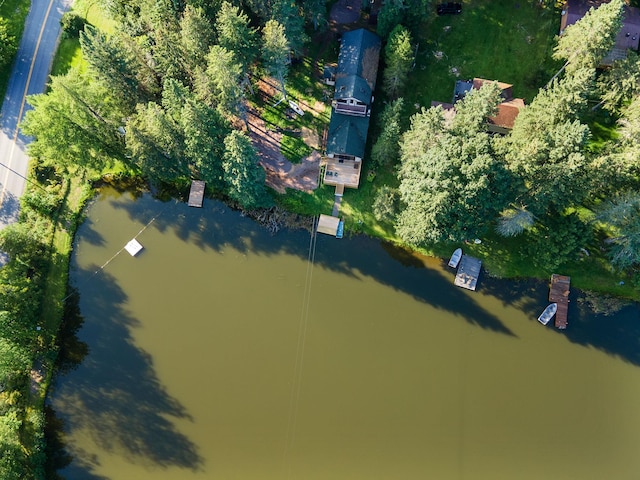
(166, 97)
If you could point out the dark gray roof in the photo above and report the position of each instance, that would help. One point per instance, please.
(347, 135)
(353, 87)
(359, 55)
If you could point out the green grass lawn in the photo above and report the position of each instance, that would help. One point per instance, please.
(68, 55)
(15, 12)
(503, 40)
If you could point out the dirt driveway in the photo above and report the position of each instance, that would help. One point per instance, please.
(281, 173)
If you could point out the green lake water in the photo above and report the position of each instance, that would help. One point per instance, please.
(222, 352)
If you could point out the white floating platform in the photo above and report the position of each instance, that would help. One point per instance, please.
(133, 247)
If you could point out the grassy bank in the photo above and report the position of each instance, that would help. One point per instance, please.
(68, 54)
(59, 239)
(15, 12)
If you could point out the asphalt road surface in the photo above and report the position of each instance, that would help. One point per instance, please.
(29, 76)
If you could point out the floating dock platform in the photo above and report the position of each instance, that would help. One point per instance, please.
(196, 194)
(468, 272)
(133, 247)
(559, 293)
(329, 225)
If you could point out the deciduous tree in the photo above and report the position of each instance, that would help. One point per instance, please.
(8, 44)
(385, 203)
(75, 124)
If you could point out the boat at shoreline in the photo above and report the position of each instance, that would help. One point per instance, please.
(548, 313)
(455, 258)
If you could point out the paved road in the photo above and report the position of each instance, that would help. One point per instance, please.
(29, 75)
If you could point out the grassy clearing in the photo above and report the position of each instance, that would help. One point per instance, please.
(311, 204)
(494, 39)
(302, 134)
(15, 12)
(68, 55)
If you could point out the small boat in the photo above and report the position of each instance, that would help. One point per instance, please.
(548, 313)
(455, 258)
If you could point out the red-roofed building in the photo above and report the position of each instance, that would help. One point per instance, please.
(508, 110)
(506, 117)
(505, 87)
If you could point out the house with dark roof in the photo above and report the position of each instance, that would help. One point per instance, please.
(502, 122)
(347, 137)
(628, 38)
(355, 81)
(356, 72)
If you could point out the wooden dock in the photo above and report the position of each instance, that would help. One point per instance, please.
(468, 272)
(196, 194)
(328, 225)
(559, 293)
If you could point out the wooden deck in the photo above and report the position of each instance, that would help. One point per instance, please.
(196, 194)
(559, 293)
(346, 173)
(328, 225)
(468, 272)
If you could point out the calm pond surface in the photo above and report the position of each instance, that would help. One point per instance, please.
(221, 352)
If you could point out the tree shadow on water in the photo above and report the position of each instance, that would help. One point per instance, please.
(617, 335)
(216, 226)
(115, 394)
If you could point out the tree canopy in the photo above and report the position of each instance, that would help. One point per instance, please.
(585, 43)
(451, 183)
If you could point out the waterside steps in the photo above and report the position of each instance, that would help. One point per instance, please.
(559, 293)
(468, 272)
(196, 194)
